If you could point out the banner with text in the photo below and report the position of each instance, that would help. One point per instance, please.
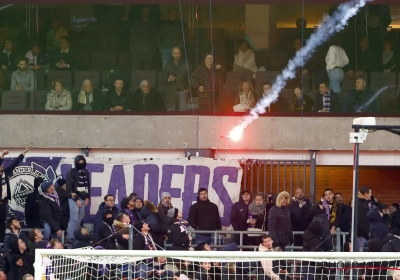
(148, 178)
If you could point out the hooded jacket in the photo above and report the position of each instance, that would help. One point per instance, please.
(149, 214)
(73, 180)
(17, 272)
(107, 233)
(204, 215)
(28, 264)
(377, 229)
(316, 236)
(81, 240)
(279, 223)
(10, 237)
(32, 206)
(267, 264)
(98, 220)
(136, 212)
(239, 214)
(50, 213)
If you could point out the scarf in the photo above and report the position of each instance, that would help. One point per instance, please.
(82, 97)
(52, 196)
(184, 225)
(246, 98)
(327, 100)
(330, 210)
(387, 56)
(257, 209)
(83, 181)
(301, 203)
(131, 217)
(147, 240)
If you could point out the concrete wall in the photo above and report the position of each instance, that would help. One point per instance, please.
(181, 132)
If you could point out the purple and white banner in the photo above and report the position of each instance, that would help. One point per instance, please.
(148, 178)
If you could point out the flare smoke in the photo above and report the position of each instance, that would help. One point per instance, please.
(329, 26)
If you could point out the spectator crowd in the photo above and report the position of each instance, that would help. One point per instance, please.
(59, 206)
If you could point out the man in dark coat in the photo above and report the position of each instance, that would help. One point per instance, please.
(32, 206)
(5, 191)
(360, 99)
(300, 214)
(64, 58)
(108, 204)
(239, 216)
(118, 98)
(326, 100)
(107, 233)
(149, 213)
(204, 215)
(365, 204)
(163, 207)
(147, 98)
(50, 211)
(88, 99)
(279, 223)
(78, 182)
(377, 228)
(391, 243)
(64, 197)
(392, 218)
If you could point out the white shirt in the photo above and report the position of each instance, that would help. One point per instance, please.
(336, 57)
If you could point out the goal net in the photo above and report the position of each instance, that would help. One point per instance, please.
(213, 265)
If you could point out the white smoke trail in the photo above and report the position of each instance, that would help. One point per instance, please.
(329, 26)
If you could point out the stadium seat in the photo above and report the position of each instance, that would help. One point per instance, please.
(387, 100)
(38, 100)
(80, 76)
(14, 100)
(139, 75)
(263, 76)
(234, 78)
(103, 60)
(64, 75)
(262, 59)
(278, 60)
(40, 79)
(161, 88)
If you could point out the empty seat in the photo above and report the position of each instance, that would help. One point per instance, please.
(278, 60)
(385, 83)
(40, 79)
(234, 78)
(14, 100)
(63, 75)
(38, 100)
(80, 76)
(103, 60)
(264, 76)
(139, 75)
(124, 60)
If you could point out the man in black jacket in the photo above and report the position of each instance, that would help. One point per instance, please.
(365, 204)
(360, 99)
(147, 98)
(326, 100)
(8, 57)
(5, 191)
(175, 77)
(300, 214)
(391, 218)
(50, 211)
(118, 98)
(65, 57)
(78, 182)
(239, 215)
(32, 206)
(204, 215)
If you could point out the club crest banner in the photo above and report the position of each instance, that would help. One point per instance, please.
(148, 178)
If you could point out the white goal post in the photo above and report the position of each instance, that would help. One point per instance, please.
(123, 264)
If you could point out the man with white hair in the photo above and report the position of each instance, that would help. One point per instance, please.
(147, 98)
(89, 98)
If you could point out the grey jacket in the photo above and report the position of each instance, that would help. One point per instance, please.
(62, 102)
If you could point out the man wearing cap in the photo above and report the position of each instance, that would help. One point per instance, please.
(163, 208)
(204, 215)
(50, 211)
(239, 215)
(5, 191)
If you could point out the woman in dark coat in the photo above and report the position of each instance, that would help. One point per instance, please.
(206, 79)
(149, 213)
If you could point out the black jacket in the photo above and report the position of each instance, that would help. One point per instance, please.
(50, 213)
(98, 220)
(9, 60)
(300, 216)
(356, 100)
(8, 171)
(239, 215)
(391, 244)
(81, 240)
(204, 215)
(97, 104)
(180, 238)
(69, 58)
(392, 221)
(73, 180)
(138, 242)
(113, 99)
(152, 218)
(165, 220)
(151, 102)
(64, 195)
(363, 223)
(180, 71)
(107, 234)
(32, 210)
(377, 229)
(279, 224)
(319, 103)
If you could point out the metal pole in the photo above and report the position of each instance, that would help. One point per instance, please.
(130, 246)
(354, 212)
(313, 167)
